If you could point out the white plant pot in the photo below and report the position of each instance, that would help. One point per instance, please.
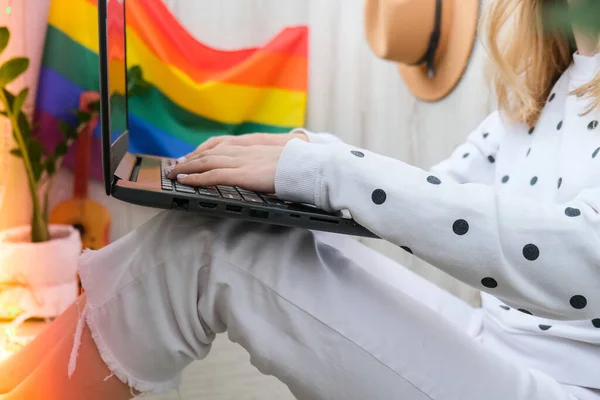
(38, 279)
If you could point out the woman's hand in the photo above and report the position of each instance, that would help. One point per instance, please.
(251, 167)
(253, 139)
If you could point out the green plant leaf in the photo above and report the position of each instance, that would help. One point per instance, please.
(138, 85)
(37, 171)
(95, 106)
(61, 149)
(64, 128)
(4, 38)
(50, 164)
(67, 130)
(134, 91)
(12, 69)
(24, 125)
(10, 99)
(20, 100)
(16, 153)
(135, 73)
(83, 117)
(35, 150)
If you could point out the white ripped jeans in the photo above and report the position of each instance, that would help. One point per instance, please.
(326, 315)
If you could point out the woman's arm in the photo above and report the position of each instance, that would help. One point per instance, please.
(469, 162)
(542, 258)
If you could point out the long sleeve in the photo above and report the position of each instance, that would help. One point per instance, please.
(541, 258)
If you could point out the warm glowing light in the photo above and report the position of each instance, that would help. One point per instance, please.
(10, 343)
(4, 353)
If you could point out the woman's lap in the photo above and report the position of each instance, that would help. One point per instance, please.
(454, 310)
(303, 305)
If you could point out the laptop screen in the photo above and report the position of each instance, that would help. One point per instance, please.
(113, 78)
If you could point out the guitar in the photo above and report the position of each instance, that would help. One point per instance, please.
(90, 218)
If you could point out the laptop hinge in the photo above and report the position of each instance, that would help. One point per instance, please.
(125, 167)
(118, 150)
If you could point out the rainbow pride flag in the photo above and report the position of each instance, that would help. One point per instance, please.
(197, 91)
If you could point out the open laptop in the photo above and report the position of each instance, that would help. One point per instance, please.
(139, 179)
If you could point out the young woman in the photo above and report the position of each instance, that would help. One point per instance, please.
(515, 212)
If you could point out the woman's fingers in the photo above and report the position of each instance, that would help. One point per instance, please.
(202, 164)
(247, 140)
(218, 151)
(252, 139)
(207, 145)
(250, 167)
(224, 176)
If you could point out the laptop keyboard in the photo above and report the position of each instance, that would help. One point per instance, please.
(222, 192)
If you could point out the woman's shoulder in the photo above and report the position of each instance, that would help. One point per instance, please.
(498, 123)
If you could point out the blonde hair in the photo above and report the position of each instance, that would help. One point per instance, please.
(528, 57)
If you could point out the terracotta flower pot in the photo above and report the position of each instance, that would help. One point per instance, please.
(38, 279)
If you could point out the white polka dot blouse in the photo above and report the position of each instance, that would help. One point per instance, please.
(514, 212)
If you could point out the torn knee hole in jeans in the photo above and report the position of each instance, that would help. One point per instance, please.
(77, 339)
(81, 322)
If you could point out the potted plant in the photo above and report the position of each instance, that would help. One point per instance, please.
(38, 262)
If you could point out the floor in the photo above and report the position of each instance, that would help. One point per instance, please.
(225, 375)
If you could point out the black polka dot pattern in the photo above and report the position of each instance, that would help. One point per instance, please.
(531, 252)
(551, 97)
(578, 302)
(434, 180)
(378, 196)
(460, 227)
(545, 327)
(489, 283)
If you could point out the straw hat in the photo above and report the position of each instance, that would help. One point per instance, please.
(432, 40)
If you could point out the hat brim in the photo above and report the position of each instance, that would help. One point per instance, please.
(453, 63)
